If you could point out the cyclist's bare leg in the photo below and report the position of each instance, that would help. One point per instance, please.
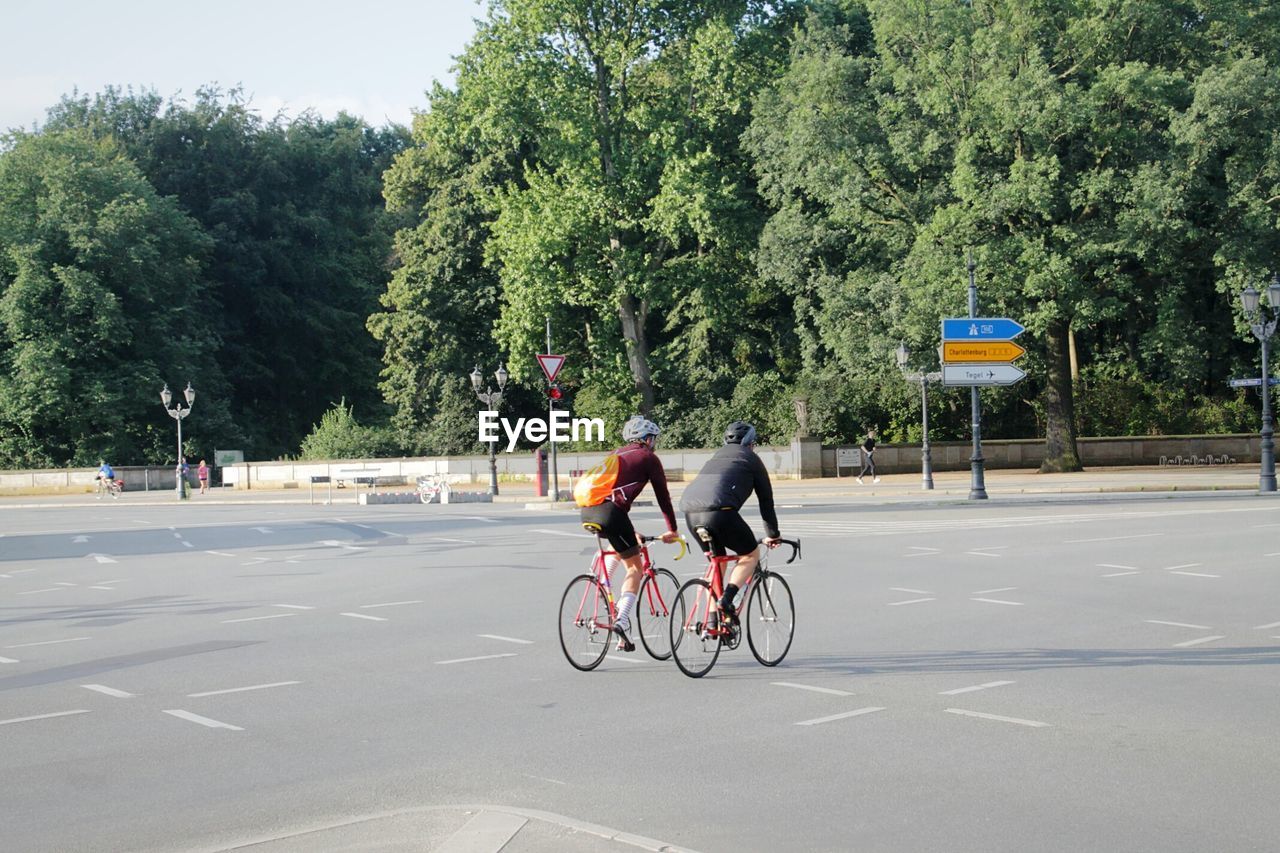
(743, 569)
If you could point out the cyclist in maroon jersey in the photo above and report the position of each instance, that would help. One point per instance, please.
(637, 466)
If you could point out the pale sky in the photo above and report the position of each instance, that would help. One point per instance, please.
(373, 58)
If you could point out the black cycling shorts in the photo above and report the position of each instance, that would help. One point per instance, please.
(727, 527)
(615, 525)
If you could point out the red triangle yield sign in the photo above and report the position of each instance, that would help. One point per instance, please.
(551, 365)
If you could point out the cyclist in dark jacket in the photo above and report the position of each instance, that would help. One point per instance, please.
(716, 495)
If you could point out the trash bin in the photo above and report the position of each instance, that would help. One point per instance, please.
(540, 462)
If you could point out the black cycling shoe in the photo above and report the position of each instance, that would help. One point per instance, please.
(624, 644)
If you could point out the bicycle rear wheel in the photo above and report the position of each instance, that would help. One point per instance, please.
(653, 612)
(585, 623)
(694, 629)
(771, 618)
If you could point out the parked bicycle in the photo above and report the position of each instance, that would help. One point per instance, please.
(588, 609)
(432, 488)
(699, 630)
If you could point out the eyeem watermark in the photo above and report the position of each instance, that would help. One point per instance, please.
(561, 428)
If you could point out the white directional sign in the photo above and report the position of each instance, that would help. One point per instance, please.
(980, 374)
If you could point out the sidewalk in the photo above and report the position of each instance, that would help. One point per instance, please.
(893, 488)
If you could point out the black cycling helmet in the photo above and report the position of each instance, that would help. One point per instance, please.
(740, 432)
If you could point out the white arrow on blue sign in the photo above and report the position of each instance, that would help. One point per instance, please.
(981, 329)
(980, 374)
(1255, 382)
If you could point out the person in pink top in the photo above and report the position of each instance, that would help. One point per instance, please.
(638, 466)
(203, 474)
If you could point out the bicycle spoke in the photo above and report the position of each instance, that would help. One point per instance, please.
(585, 623)
(653, 612)
(695, 629)
(770, 619)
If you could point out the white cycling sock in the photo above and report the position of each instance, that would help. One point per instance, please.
(625, 603)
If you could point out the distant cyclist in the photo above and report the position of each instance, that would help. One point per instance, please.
(716, 495)
(628, 470)
(105, 471)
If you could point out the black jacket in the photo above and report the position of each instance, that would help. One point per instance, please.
(727, 480)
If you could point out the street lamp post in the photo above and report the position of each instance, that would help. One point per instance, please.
(492, 399)
(926, 458)
(178, 413)
(1263, 325)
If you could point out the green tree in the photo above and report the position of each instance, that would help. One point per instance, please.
(102, 298)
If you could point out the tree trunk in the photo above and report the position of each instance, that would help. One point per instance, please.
(632, 315)
(1059, 403)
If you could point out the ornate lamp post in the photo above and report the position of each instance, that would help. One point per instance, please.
(1262, 322)
(492, 399)
(178, 413)
(926, 460)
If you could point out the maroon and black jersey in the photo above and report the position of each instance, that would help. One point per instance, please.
(638, 465)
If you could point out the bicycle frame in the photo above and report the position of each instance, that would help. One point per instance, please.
(702, 614)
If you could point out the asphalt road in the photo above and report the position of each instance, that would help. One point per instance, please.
(1065, 675)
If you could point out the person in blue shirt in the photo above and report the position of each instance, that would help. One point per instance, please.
(105, 471)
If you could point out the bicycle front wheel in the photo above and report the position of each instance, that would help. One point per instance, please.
(653, 612)
(771, 618)
(585, 623)
(695, 629)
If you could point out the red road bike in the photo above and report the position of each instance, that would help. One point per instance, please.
(588, 609)
(699, 630)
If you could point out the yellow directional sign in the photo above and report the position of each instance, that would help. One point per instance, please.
(966, 352)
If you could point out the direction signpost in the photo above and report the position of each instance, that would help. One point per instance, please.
(1255, 382)
(981, 374)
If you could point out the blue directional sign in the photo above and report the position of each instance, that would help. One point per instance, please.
(981, 329)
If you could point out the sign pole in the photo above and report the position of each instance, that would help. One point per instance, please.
(977, 486)
(1267, 481)
(551, 414)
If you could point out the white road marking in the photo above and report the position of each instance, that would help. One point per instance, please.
(177, 536)
(220, 553)
(911, 601)
(986, 686)
(48, 642)
(812, 688)
(843, 716)
(257, 618)
(263, 530)
(1112, 538)
(442, 539)
(102, 587)
(1266, 626)
(553, 781)
(997, 717)
(1194, 574)
(294, 606)
(1182, 566)
(204, 721)
(110, 691)
(46, 589)
(479, 518)
(365, 616)
(1178, 624)
(564, 533)
(980, 554)
(255, 561)
(508, 639)
(388, 533)
(242, 689)
(1199, 641)
(1273, 553)
(391, 604)
(921, 548)
(80, 539)
(998, 601)
(186, 544)
(115, 580)
(481, 657)
(63, 583)
(9, 660)
(485, 831)
(999, 589)
(102, 558)
(1115, 566)
(1120, 574)
(43, 717)
(915, 591)
(21, 571)
(924, 554)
